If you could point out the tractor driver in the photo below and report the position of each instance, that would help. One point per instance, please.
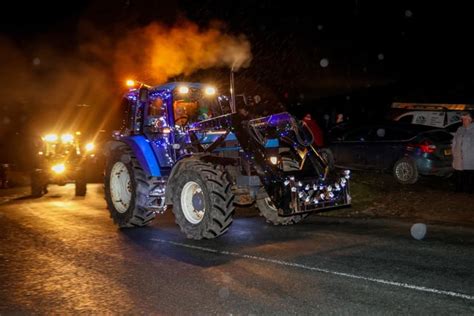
(185, 112)
(181, 116)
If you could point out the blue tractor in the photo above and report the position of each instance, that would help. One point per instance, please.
(184, 145)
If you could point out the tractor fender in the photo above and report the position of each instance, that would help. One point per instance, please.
(142, 150)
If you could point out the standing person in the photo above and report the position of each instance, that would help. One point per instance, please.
(463, 154)
(244, 113)
(339, 118)
(315, 130)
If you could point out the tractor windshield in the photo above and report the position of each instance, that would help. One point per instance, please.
(187, 111)
(56, 149)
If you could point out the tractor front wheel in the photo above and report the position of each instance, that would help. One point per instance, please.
(81, 183)
(38, 185)
(203, 200)
(268, 209)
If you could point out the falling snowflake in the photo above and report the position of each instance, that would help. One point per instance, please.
(408, 13)
(36, 61)
(320, 27)
(418, 231)
(380, 56)
(324, 62)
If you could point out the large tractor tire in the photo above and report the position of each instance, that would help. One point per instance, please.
(267, 208)
(126, 189)
(38, 186)
(328, 156)
(81, 183)
(203, 200)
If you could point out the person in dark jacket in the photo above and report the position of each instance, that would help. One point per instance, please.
(463, 154)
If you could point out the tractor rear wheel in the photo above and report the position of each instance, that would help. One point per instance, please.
(38, 186)
(81, 183)
(127, 189)
(203, 200)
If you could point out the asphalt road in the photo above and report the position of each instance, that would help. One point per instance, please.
(61, 254)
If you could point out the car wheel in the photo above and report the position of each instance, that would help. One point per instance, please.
(405, 171)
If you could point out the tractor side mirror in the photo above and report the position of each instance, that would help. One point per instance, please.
(143, 94)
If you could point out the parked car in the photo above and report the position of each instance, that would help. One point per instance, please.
(407, 150)
(452, 128)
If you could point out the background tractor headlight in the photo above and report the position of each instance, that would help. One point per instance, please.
(59, 168)
(67, 138)
(51, 138)
(90, 147)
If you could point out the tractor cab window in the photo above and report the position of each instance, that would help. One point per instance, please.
(126, 116)
(156, 116)
(194, 106)
(185, 112)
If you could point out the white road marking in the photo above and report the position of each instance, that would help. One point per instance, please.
(306, 267)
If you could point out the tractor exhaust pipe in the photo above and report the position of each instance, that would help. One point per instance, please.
(232, 91)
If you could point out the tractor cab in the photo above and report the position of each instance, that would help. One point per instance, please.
(54, 147)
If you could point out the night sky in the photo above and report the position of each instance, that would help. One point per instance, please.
(312, 55)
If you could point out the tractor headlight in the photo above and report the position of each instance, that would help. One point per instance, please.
(210, 91)
(90, 147)
(67, 138)
(183, 90)
(274, 160)
(51, 138)
(59, 168)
